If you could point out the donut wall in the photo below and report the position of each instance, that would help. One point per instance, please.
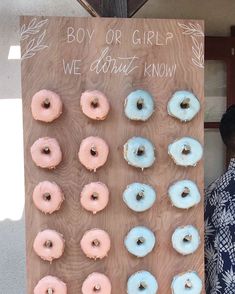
(113, 136)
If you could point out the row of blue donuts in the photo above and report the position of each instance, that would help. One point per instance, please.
(145, 283)
(140, 240)
(140, 197)
(183, 105)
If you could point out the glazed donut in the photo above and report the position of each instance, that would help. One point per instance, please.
(95, 243)
(187, 283)
(142, 282)
(94, 104)
(185, 151)
(139, 152)
(50, 285)
(139, 197)
(46, 153)
(49, 245)
(184, 194)
(139, 105)
(186, 240)
(96, 283)
(93, 152)
(183, 105)
(48, 197)
(140, 241)
(94, 196)
(46, 106)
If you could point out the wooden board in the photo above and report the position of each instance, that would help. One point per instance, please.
(170, 60)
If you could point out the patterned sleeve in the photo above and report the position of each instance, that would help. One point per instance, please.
(225, 240)
(220, 236)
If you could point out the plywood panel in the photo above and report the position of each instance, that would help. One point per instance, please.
(160, 64)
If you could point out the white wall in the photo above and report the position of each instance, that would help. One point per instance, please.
(219, 15)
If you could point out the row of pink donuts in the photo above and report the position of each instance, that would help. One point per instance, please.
(95, 282)
(47, 106)
(50, 244)
(48, 197)
(93, 152)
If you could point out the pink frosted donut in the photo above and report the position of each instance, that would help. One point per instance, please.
(46, 153)
(50, 285)
(95, 243)
(93, 152)
(48, 197)
(46, 106)
(49, 245)
(96, 283)
(94, 196)
(94, 104)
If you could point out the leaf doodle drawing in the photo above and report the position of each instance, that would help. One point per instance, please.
(197, 48)
(195, 31)
(32, 28)
(192, 29)
(36, 43)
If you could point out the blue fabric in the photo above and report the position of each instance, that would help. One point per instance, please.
(220, 234)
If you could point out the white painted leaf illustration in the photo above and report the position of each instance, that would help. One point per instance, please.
(192, 29)
(30, 45)
(197, 49)
(32, 28)
(28, 55)
(35, 44)
(195, 31)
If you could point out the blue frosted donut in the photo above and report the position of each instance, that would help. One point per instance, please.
(139, 105)
(183, 105)
(186, 151)
(184, 194)
(139, 197)
(139, 152)
(142, 282)
(187, 283)
(140, 241)
(186, 240)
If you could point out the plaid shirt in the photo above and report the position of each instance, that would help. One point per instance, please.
(220, 234)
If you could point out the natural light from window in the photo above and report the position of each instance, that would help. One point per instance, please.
(11, 160)
(14, 52)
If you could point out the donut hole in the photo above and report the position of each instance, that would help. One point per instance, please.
(186, 150)
(48, 244)
(140, 104)
(188, 284)
(95, 103)
(185, 103)
(94, 196)
(95, 243)
(185, 192)
(140, 241)
(93, 152)
(46, 150)
(97, 288)
(140, 196)
(50, 291)
(187, 238)
(46, 103)
(142, 286)
(46, 196)
(140, 151)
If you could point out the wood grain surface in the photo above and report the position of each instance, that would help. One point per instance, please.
(44, 69)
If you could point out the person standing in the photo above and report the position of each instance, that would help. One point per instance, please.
(220, 219)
